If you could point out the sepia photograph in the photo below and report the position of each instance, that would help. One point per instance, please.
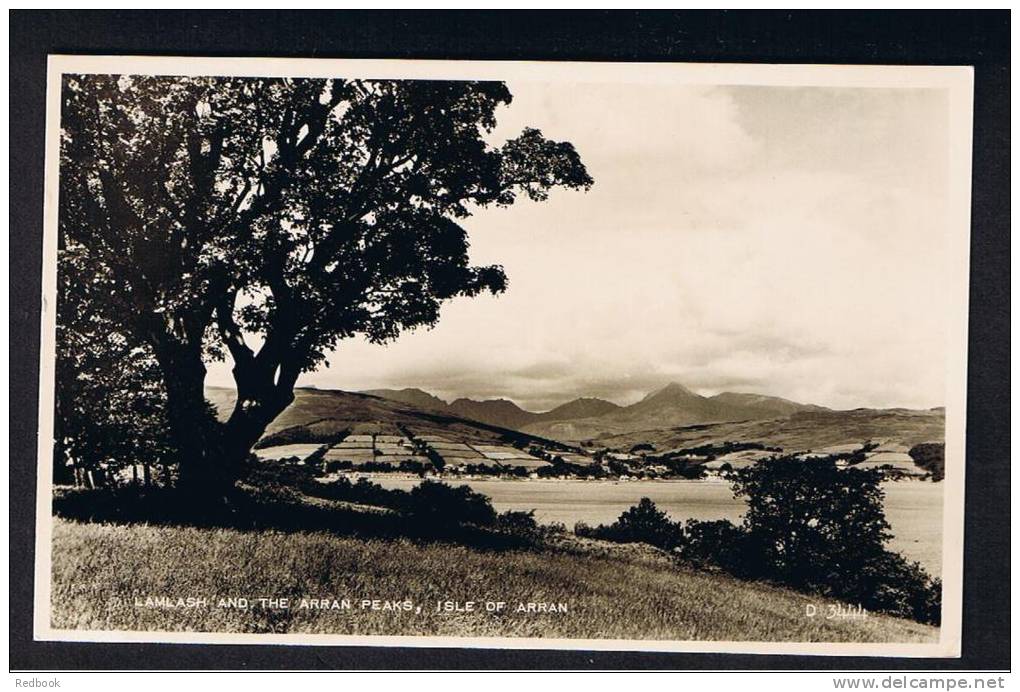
(572, 355)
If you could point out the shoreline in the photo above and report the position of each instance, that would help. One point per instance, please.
(373, 475)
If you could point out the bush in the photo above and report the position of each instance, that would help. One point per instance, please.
(716, 543)
(642, 523)
(522, 525)
(415, 467)
(276, 476)
(890, 584)
(817, 528)
(306, 432)
(930, 456)
(811, 522)
(335, 465)
(315, 458)
(440, 505)
(363, 491)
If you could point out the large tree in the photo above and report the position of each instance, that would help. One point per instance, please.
(269, 219)
(111, 409)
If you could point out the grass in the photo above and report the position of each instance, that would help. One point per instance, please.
(99, 569)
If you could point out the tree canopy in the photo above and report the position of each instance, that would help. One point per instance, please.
(268, 219)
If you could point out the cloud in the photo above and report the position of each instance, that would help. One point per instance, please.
(780, 241)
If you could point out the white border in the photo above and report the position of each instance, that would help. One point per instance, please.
(958, 81)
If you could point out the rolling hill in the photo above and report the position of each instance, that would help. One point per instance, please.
(802, 431)
(585, 407)
(317, 414)
(410, 395)
(673, 405)
(501, 412)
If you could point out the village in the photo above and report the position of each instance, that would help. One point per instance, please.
(402, 450)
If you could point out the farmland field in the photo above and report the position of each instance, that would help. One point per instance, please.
(914, 509)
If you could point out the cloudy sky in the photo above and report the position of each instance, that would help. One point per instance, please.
(787, 241)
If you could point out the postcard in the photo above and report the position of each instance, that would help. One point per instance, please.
(560, 355)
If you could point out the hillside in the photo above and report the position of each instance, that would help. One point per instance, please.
(673, 405)
(320, 412)
(609, 591)
(501, 412)
(585, 407)
(805, 430)
(409, 395)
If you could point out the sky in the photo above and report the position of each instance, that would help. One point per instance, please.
(773, 240)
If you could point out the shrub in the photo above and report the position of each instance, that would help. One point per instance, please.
(519, 524)
(363, 491)
(717, 543)
(276, 476)
(931, 456)
(890, 584)
(416, 467)
(815, 527)
(811, 521)
(335, 465)
(440, 505)
(642, 523)
(306, 432)
(692, 471)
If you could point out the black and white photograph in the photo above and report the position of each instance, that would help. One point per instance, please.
(573, 355)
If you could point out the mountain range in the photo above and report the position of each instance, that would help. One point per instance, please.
(671, 405)
(317, 414)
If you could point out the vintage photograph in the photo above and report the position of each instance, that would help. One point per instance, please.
(558, 355)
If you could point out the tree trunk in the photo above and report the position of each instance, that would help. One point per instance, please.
(260, 399)
(211, 454)
(195, 434)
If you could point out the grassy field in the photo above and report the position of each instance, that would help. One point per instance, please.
(102, 574)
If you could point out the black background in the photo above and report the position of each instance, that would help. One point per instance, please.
(864, 37)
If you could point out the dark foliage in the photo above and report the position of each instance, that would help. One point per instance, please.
(809, 525)
(810, 520)
(642, 523)
(441, 505)
(363, 491)
(207, 212)
(274, 497)
(559, 467)
(818, 528)
(315, 459)
(715, 449)
(930, 456)
(717, 544)
(859, 455)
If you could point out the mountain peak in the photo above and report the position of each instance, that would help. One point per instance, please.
(672, 390)
(583, 407)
